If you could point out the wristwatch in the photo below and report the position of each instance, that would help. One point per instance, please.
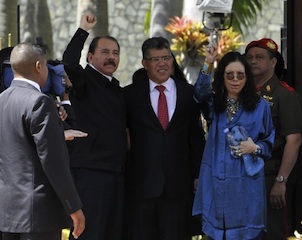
(280, 179)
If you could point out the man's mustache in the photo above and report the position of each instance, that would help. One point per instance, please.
(110, 62)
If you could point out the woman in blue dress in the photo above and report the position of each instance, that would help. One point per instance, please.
(230, 195)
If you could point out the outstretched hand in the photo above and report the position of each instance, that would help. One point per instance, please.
(70, 134)
(88, 21)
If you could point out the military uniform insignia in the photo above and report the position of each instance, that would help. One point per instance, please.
(268, 99)
(268, 88)
(271, 45)
(286, 86)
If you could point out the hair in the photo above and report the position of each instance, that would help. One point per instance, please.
(95, 40)
(55, 62)
(142, 73)
(271, 54)
(248, 97)
(139, 75)
(279, 68)
(24, 56)
(154, 43)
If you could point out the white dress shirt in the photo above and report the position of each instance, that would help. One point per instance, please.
(170, 93)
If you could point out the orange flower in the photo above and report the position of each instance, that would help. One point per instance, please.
(191, 38)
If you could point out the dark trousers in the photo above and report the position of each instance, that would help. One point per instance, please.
(280, 222)
(32, 236)
(161, 218)
(102, 195)
(295, 188)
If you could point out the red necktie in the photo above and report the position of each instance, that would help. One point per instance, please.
(162, 109)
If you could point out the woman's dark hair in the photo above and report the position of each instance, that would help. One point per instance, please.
(279, 68)
(248, 96)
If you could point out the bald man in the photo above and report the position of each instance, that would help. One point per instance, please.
(37, 194)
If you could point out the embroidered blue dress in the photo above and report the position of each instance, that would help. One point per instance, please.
(228, 200)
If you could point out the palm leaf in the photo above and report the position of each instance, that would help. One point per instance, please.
(245, 13)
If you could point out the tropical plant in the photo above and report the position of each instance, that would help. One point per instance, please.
(189, 37)
(147, 19)
(229, 40)
(245, 13)
(190, 40)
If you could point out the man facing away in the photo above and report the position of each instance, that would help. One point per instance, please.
(36, 187)
(98, 161)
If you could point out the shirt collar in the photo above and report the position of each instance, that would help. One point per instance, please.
(106, 76)
(168, 84)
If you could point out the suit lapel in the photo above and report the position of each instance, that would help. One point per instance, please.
(180, 95)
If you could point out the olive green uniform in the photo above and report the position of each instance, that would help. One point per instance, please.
(286, 111)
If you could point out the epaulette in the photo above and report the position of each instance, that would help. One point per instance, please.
(286, 86)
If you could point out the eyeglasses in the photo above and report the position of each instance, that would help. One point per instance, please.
(231, 75)
(157, 59)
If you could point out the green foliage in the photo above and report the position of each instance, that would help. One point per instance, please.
(147, 19)
(245, 13)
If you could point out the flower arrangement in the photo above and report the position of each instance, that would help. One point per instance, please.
(191, 39)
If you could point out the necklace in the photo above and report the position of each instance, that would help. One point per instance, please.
(232, 108)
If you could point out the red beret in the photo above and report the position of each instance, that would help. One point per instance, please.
(265, 43)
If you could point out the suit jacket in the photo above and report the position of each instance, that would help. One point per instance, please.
(162, 159)
(70, 122)
(100, 111)
(36, 188)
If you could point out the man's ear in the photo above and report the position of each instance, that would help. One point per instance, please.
(274, 61)
(38, 66)
(144, 63)
(89, 57)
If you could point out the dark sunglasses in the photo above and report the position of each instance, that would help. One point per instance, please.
(231, 75)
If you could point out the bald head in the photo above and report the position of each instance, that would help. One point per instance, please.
(28, 61)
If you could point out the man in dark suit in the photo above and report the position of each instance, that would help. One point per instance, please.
(164, 156)
(36, 187)
(98, 161)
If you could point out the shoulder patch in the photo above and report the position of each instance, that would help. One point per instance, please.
(286, 86)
